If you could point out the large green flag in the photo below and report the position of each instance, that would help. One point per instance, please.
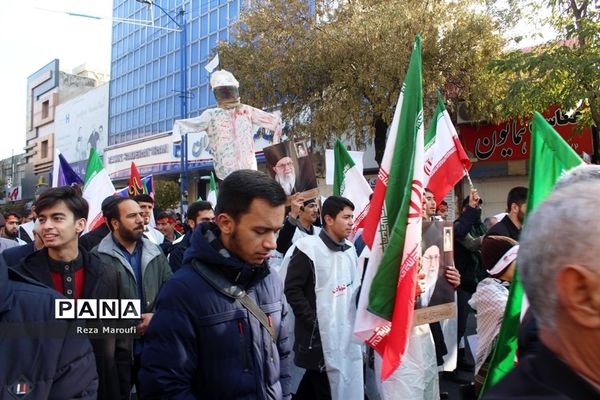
(550, 157)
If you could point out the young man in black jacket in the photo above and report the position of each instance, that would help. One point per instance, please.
(77, 274)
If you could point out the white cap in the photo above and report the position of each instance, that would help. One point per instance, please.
(507, 258)
(223, 78)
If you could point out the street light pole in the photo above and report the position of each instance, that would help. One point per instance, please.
(183, 151)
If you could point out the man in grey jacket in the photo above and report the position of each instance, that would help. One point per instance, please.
(142, 266)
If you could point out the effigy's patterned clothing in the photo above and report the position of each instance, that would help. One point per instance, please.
(230, 134)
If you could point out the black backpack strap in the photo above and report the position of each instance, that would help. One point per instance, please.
(221, 284)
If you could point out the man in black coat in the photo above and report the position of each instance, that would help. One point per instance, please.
(197, 213)
(561, 277)
(516, 207)
(41, 358)
(77, 274)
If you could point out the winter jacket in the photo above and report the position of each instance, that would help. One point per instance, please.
(155, 269)
(176, 253)
(203, 344)
(112, 353)
(468, 230)
(42, 357)
(542, 376)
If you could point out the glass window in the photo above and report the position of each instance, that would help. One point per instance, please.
(203, 25)
(213, 21)
(194, 52)
(233, 11)
(195, 29)
(162, 92)
(223, 35)
(154, 112)
(195, 75)
(223, 17)
(203, 50)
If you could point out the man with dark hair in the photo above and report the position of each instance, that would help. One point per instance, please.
(299, 222)
(77, 274)
(141, 265)
(12, 220)
(197, 213)
(165, 223)
(44, 360)
(220, 328)
(146, 203)
(516, 207)
(321, 284)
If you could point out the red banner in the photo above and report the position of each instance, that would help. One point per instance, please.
(511, 140)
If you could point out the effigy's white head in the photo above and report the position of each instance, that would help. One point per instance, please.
(223, 78)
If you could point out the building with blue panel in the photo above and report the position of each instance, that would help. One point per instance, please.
(146, 89)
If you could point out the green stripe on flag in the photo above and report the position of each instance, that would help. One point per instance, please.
(550, 157)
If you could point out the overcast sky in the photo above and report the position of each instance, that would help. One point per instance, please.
(30, 38)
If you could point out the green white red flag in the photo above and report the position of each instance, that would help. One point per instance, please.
(550, 157)
(97, 187)
(392, 228)
(446, 162)
(349, 182)
(211, 197)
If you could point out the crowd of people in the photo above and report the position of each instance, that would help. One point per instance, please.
(256, 299)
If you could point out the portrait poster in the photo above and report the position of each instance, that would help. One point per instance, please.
(290, 164)
(435, 299)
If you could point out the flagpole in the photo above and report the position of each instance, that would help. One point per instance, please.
(469, 178)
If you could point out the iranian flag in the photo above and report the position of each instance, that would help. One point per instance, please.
(211, 197)
(446, 162)
(550, 157)
(97, 187)
(350, 183)
(393, 228)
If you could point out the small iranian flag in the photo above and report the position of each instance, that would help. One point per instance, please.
(98, 186)
(350, 183)
(446, 162)
(393, 229)
(211, 197)
(550, 157)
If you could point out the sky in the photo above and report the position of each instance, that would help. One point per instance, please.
(31, 38)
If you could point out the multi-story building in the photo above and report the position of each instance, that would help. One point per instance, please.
(46, 89)
(148, 91)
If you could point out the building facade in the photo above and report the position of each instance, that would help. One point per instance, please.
(147, 91)
(46, 89)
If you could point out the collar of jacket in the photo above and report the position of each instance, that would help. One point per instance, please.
(37, 266)
(332, 244)
(206, 247)
(149, 249)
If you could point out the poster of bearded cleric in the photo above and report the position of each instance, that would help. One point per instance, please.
(435, 295)
(290, 164)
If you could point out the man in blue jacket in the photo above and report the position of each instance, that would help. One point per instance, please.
(205, 343)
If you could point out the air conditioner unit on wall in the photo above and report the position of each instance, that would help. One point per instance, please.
(463, 116)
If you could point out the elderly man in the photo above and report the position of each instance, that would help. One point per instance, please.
(285, 175)
(561, 276)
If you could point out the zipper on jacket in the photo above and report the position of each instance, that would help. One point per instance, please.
(243, 345)
(270, 339)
